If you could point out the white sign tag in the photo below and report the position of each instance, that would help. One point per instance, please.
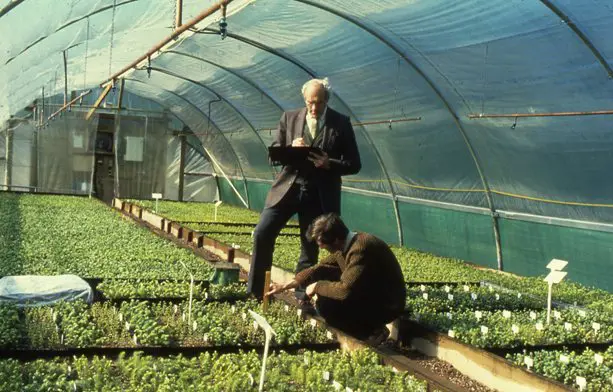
(518, 295)
(539, 326)
(425, 295)
(466, 288)
(533, 315)
(205, 337)
(564, 358)
(233, 309)
(135, 339)
(497, 296)
(484, 330)
(557, 314)
(598, 358)
(582, 313)
(581, 382)
(195, 325)
(506, 314)
(596, 327)
(244, 316)
(450, 297)
(515, 329)
(568, 326)
(326, 375)
(287, 308)
(127, 326)
(451, 333)
(337, 385)
(329, 335)
(299, 312)
(313, 323)
(528, 362)
(422, 287)
(447, 289)
(449, 315)
(156, 195)
(473, 296)
(478, 314)
(176, 309)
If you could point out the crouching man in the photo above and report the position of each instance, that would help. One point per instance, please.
(359, 287)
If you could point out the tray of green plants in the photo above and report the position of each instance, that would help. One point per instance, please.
(136, 323)
(48, 235)
(583, 369)
(198, 212)
(168, 290)
(304, 371)
(216, 228)
(485, 318)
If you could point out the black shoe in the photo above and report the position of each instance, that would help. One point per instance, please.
(379, 336)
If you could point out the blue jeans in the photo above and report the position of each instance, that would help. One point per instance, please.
(302, 200)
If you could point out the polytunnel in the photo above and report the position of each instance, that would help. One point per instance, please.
(484, 127)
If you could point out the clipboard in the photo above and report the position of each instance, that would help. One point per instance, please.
(294, 156)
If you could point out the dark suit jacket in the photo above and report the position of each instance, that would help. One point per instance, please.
(338, 142)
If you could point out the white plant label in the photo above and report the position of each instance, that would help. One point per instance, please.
(306, 360)
(529, 362)
(568, 326)
(233, 309)
(54, 316)
(286, 308)
(206, 295)
(490, 288)
(127, 326)
(244, 316)
(74, 386)
(195, 325)
(348, 389)
(422, 287)
(255, 325)
(478, 314)
(326, 375)
(395, 369)
(299, 312)
(447, 289)
(135, 339)
(451, 333)
(515, 329)
(539, 326)
(518, 295)
(564, 358)
(533, 315)
(581, 382)
(337, 385)
(183, 317)
(582, 313)
(425, 295)
(205, 337)
(313, 323)
(62, 339)
(506, 314)
(176, 309)
(557, 314)
(484, 330)
(449, 315)
(598, 358)
(329, 335)
(450, 297)
(497, 296)
(473, 296)
(466, 289)
(596, 327)
(120, 317)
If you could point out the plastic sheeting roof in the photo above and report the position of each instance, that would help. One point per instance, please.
(412, 71)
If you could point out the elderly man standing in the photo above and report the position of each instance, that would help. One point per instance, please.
(310, 189)
(359, 287)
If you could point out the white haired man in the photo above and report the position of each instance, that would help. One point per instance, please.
(310, 189)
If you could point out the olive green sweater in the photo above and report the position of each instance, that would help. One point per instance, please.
(368, 270)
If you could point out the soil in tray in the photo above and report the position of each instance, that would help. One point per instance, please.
(443, 369)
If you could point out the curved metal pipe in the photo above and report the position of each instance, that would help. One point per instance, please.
(312, 73)
(221, 98)
(439, 94)
(213, 122)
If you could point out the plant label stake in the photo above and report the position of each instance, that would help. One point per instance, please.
(449, 315)
(450, 297)
(555, 276)
(596, 327)
(506, 314)
(484, 330)
(473, 296)
(497, 296)
(564, 358)
(478, 315)
(268, 331)
(533, 315)
(529, 362)
(191, 292)
(581, 382)
(425, 295)
(515, 329)
(156, 196)
(539, 326)
(557, 315)
(422, 288)
(266, 298)
(568, 326)
(447, 289)
(217, 204)
(598, 358)
(451, 333)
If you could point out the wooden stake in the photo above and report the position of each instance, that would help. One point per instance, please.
(266, 289)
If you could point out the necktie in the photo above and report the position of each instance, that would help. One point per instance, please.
(312, 124)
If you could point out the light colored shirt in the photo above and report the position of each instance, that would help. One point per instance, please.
(314, 125)
(348, 240)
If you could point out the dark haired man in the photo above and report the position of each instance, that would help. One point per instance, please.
(359, 287)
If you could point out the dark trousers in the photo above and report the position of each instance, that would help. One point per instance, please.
(357, 318)
(302, 200)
